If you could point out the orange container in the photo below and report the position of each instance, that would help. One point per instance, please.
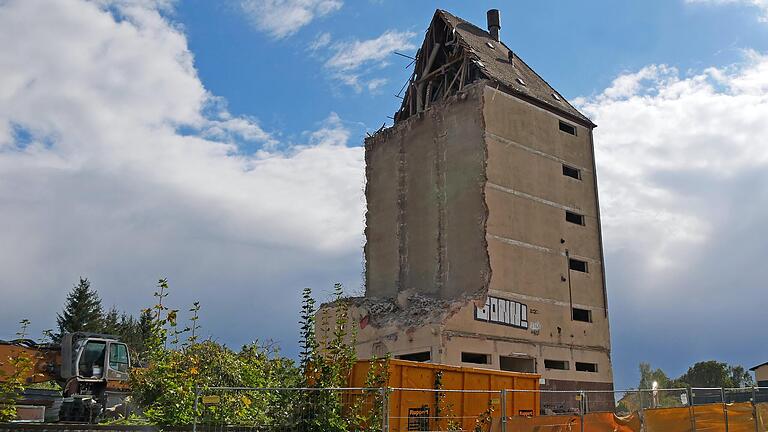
(422, 399)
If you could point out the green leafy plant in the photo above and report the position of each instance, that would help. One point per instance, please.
(443, 408)
(13, 383)
(177, 373)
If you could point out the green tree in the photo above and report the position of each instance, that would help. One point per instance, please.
(82, 312)
(648, 376)
(110, 323)
(712, 373)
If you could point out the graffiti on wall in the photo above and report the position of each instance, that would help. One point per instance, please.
(502, 311)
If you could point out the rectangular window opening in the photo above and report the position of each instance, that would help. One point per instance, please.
(556, 364)
(582, 315)
(567, 128)
(586, 367)
(577, 265)
(424, 356)
(475, 358)
(574, 218)
(517, 364)
(571, 172)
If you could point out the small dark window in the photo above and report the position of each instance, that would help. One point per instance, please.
(582, 315)
(556, 364)
(586, 367)
(417, 357)
(475, 358)
(574, 218)
(517, 364)
(569, 129)
(578, 265)
(572, 172)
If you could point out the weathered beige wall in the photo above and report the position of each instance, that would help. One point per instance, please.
(761, 373)
(468, 199)
(425, 221)
(382, 159)
(529, 240)
(460, 332)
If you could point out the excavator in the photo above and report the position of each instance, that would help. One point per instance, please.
(91, 369)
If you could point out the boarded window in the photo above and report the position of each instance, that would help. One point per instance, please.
(556, 364)
(582, 315)
(586, 367)
(577, 265)
(574, 218)
(571, 172)
(567, 128)
(475, 358)
(424, 356)
(517, 364)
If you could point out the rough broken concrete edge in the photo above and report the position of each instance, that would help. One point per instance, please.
(396, 132)
(485, 289)
(394, 316)
(385, 313)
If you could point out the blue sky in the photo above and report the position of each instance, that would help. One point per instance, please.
(579, 47)
(218, 144)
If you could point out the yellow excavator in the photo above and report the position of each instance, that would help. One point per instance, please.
(91, 368)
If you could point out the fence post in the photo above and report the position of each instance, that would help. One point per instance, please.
(194, 408)
(691, 408)
(503, 400)
(384, 409)
(581, 410)
(725, 408)
(754, 409)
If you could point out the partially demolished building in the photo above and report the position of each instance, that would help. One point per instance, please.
(483, 242)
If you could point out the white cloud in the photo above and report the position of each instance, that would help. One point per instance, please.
(681, 162)
(762, 5)
(351, 61)
(655, 123)
(116, 163)
(282, 18)
(321, 41)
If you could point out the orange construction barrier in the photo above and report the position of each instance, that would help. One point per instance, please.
(740, 417)
(551, 423)
(762, 416)
(668, 420)
(609, 422)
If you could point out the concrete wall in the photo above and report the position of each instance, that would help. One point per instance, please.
(761, 374)
(530, 241)
(469, 200)
(425, 224)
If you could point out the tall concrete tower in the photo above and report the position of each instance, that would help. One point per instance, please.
(483, 226)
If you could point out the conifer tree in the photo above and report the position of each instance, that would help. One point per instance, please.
(111, 323)
(82, 311)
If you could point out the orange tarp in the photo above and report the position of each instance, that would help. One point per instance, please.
(668, 420)
(608, 422)
(561, 423)
(740, 418)
(762, 416)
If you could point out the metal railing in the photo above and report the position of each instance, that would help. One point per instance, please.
(506, 410)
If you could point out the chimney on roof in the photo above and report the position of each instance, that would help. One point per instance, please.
(494, 23)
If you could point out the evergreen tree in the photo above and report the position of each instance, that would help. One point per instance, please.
(111, 324)
(82, 312)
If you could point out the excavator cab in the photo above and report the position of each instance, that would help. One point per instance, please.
(103, 359)
(95, 369)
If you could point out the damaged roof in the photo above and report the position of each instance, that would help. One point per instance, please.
(515, 76)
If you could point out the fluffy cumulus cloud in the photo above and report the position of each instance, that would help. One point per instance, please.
(761, 5)
(681, 164)
(117, 164)
(352, 62)
(282, 18)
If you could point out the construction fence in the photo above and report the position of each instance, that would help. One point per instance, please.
(406, 409)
